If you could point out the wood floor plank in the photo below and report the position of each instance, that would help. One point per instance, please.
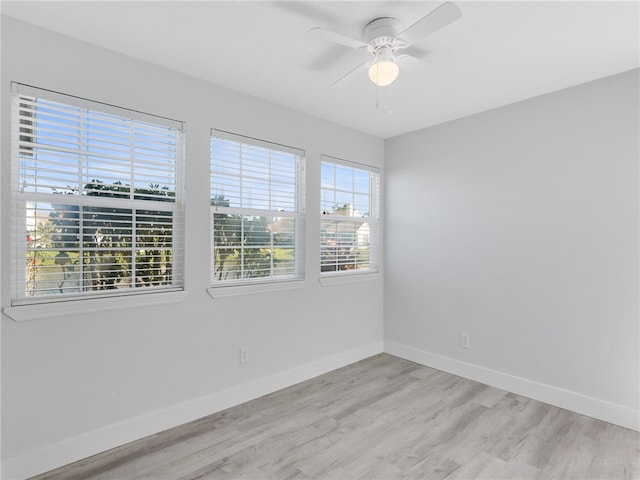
(381, 418)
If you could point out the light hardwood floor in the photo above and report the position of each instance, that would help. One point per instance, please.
(381, 418)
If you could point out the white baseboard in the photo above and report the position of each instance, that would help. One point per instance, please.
(76, 448)
(576, 402)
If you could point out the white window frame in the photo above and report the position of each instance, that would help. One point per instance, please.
(25, 307)
(372, 272)
(237, 286)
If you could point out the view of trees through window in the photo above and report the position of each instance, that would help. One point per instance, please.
(95, 200)
(251, 246)
(80, 248)
(97, 204)
(256, 211)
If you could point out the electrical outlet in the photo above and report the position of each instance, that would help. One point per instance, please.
(244, 354)
(464, 340)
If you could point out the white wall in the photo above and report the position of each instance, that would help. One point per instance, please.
(75, 385)
(519, 226)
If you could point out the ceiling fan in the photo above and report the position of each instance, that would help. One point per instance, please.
(388, 43)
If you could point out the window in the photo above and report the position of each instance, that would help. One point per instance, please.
(256, 211)
(349, 228)
(97, 199)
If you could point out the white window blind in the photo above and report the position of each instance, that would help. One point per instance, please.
(97, 199)
(350, 223)
(257, 199)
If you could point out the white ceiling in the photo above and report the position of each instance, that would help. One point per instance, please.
(496, 54)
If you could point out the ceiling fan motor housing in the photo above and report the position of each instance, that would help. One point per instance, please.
(380, 34)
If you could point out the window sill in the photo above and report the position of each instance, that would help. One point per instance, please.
(59, 309)
(234, 290)
(342, 278)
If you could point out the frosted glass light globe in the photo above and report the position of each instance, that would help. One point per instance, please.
(383, 73)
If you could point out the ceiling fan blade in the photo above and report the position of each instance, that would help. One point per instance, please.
(357, 67)
(415, 64)
(413, 51)
(335, 54)
(417, 57)
(335, 37)
(431, 23)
